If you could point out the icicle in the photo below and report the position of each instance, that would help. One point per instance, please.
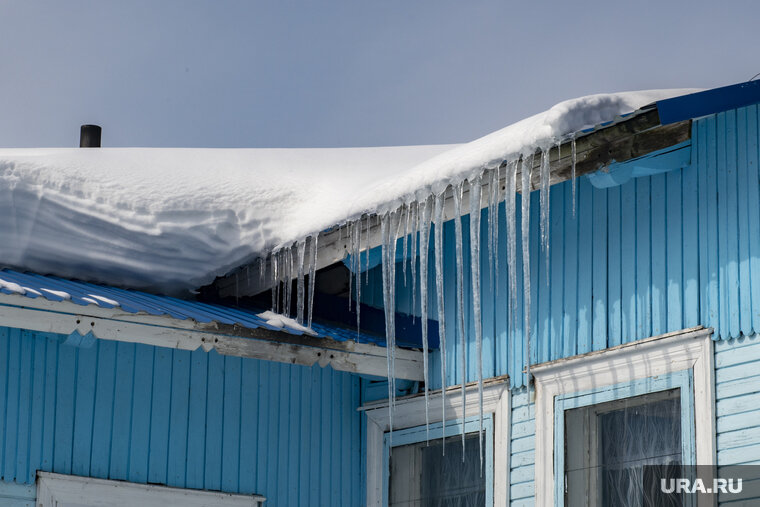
(424, 220)
(262, 271)
(438, 252)
(415, 214)
(356, 260)
(388, 226)
(493, 221)
(525, 199)
(275, 283)
(369, 237)
(301, 255)
(544, 198)
(510, 215)
(288, 280)
(572, 171)
(312, 276)
(460, 293)
(407, 214)
(351, 268)
(475, 191)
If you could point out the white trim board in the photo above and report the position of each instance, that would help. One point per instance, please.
(66, 317)
(688, 349)
(55, 489)
(410, 412)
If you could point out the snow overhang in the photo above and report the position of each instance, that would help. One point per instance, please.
(625, 138)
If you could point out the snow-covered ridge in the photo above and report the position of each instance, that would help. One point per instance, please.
(173, 219)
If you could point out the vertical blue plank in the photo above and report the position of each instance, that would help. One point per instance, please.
(160, 410)
(699, 133)
(85, 410)
(48, 422)
(196, 420)
(122, 411)
(743, 213)
(24, 405)
(214, 412)
(344, 437)
(587, 270)
(691, 216)
(178, 419)
(355, 450)
(262, 464)
(673, 262)
(323, 485)
(731, 219)
(753, 211)
(10, 436)
(722, 229)
(628, 260)
(231, 424)
(599, 270)
(558, 272)
(103, 415)
(614, 269)
(307, 441)
(294, 441)
(336, 429)
(449, 287)
(64, 415)
(487, 296)
(643, 260)
(570, 317)
(716, 251)
(659, 252)
(316, 449)
(515, 345)
(249, 415)
(38, 404)
(141, 414)
(275, 432)
(4, 371)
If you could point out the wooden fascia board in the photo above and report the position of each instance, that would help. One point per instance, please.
(626, 140)
(66, 317)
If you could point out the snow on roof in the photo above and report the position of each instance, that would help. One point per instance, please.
(173, 219)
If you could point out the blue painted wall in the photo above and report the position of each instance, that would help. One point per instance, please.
(185, 419)
(655, 254)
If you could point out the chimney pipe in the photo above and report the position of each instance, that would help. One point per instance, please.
(89, 136)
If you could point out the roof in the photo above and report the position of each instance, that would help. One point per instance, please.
(55, 289)
(84, 311)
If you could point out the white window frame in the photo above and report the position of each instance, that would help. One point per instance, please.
(689, 349)
(410, 412)
(59, 489)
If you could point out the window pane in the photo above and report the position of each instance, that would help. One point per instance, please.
(421, 476)
(607, 445)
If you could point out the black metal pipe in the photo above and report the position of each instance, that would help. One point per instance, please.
(89, 136)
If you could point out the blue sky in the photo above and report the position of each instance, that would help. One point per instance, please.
(342, 72)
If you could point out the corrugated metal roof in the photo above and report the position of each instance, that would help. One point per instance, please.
(52, 288)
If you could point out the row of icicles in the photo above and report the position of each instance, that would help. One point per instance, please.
(410, 222)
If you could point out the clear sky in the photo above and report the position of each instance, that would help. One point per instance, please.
(195, 73)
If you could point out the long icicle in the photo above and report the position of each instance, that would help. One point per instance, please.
(415, 214)
(407, 214)
(438, 249)
(312, 276)
(369, 238)
(460, 294)
(393, 239)
(424, 249)
(352, 265)
(300, 306)
(496, 192)
(572, 171)
(525, 200)
(357, 262)
(275, 282)
(475, 192)
(545, 179)
(510, 215)
(385, 227)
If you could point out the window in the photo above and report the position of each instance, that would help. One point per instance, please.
(415, 473)
(418, 472)
(602, 416)
(58, 490)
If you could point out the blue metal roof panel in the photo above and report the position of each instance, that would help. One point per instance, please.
(716, 100)
(57, 289)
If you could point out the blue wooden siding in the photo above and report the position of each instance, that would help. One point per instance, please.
(737, 403)
(185, 419)
(522, 449)
(653, 255)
